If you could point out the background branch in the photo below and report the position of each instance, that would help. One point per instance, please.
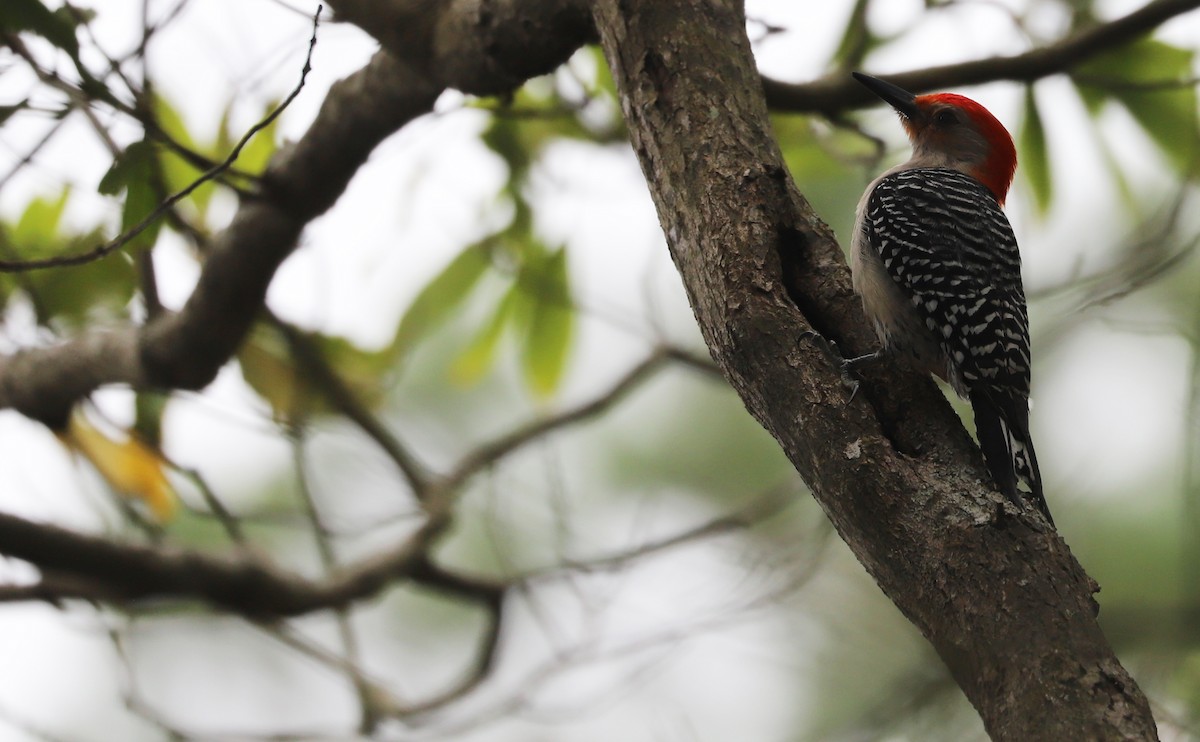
(838, 92)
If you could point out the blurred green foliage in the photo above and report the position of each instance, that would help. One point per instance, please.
(1153, 81)
(66, 298)
(33, 16)
(1035, 159)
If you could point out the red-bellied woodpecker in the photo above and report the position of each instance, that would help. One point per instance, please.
(936, 264)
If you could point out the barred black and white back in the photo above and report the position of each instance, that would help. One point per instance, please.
(936, 262)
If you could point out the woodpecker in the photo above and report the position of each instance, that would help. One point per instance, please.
(935, 261)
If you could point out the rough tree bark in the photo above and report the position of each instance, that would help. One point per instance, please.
(1005, 604)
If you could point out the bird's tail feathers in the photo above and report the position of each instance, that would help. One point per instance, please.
(1026, 466)
(1008, 453)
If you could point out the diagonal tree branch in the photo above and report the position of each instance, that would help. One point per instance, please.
(308, 357)
(1003, 602)
(492, 451)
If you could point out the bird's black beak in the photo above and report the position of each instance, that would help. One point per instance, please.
(895, 96)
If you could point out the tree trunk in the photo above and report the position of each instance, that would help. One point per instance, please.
(1002, 599)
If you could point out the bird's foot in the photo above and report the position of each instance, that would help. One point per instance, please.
(845, 365)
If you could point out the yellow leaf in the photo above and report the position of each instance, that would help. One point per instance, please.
(130, 467)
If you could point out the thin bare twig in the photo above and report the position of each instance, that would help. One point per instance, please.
(381, 700)
(369, 713)
(660, 641)
(757, 510)
(32, 152)
(231, 523)
(490, 596)
(1152, 253)
(488, 453)
(308, 356)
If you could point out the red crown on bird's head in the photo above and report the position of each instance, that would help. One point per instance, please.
(1001, 164)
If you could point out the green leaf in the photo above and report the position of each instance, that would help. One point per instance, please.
(809, 151)
(177, 172)
(135, 172)
(1035, 163)
(805, 154)
(361, 372)
(257, 153)
(148, 414)
(270, 366)
(1142, 77)
(267, 367)
(74, 15)
(38, 226)
(126, 168)
(857, 40)
(225, 139)
(1124, 188)
(477, 359)
(551, 323)
(33, 16)
(75, 295)
(35, 234)
(503, 136)
(94, 89)
(441, 297)
(604, 91)
(6, 112)
(69, 296)
(171, 121)
(523, 125)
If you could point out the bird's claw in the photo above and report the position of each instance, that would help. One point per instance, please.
(846, 365)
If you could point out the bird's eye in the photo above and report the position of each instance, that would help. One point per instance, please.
(945, 117)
